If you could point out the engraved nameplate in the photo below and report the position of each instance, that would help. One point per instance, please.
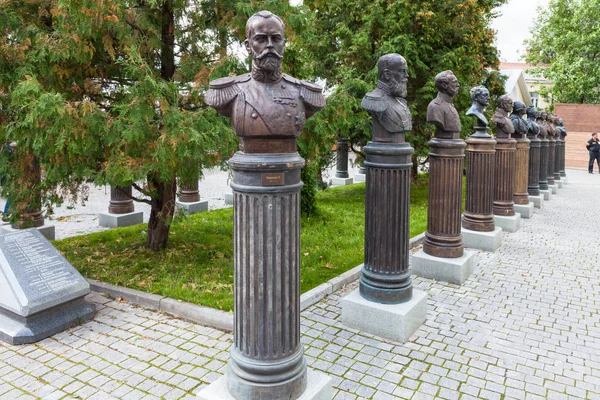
(272, 179)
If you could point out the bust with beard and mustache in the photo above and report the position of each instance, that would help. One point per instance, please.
(268, 108)
(387, 103)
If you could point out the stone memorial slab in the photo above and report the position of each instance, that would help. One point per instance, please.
(40, 292)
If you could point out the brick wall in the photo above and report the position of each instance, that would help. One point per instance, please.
(580, 121)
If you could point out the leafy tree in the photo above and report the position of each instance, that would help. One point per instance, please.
(348, 37)
(111, 91)
(565, 48)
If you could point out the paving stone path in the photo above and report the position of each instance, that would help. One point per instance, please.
(526, 325)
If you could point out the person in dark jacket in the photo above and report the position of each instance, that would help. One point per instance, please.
(593, 146)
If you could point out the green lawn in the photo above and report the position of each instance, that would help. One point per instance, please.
(198, 266)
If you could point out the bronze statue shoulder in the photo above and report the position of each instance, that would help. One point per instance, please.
(222, 91)
(374, 102)
(310, 92)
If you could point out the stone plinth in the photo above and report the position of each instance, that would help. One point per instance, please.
(47, 230)
(319, 387)
(397, 322)
(228, 197)
(360, 177)
(488, 241)
(194, 207)
(478, 215)
(446, 159)
(505, 177)
(547, 194)
(538, 201)
(40, 292)
(453, 270)
(553, 188)
(510, 223)
(559, 183)
(526, 210)
(119, 220)
(341, 181)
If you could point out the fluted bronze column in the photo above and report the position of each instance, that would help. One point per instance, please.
(266, 209)
(341, 170)
(189, 193)
(551, 157)
(505, 177)
(481, 151)
(563, 149)
(120, 200)
(521, 195)
(557, 155)
(446, 161)
(544, 162)
(533, 186)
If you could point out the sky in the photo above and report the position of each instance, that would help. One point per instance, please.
(513, 27)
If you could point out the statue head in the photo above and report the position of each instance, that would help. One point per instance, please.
(542, 115)
(548, 117)
(561, 122)
(447, 83)
(392, 71)
(480, 94)
(531, 112)
(265, 41)
(505, 102)
(519, 108)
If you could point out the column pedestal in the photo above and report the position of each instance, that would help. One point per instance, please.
(478, 215)
(533, 185)
(189, 200)
(563, 149)
(488, 241)
(510, 223)
(505, 177)
(538, 201)
(557, 161)
(526, 210)
(544, 144)
(121, 211)
(446, 160)
(521, 194)
(551, 156)
(341, 171)
(453, 270)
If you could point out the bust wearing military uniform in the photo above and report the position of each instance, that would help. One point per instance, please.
(265, 103)
(441, 111)
(387, 103)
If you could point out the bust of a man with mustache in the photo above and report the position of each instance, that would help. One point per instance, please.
(265, 103)
(387, 103)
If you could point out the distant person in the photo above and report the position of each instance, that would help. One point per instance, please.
(593, 146)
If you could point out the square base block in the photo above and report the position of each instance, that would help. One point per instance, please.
(119, 220)
(538, 201)
(453, 270)
(48, 230)
(193, 208)
(553, 188)
(559, 184)
(564, 180)
(526, 211)
(395, 322)
(360, 178)
(342, 181)
(508, 224)
(547, 194)
(318, 387)
(488, 241)
(228, 198)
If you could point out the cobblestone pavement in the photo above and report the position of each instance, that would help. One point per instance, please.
(526, 325)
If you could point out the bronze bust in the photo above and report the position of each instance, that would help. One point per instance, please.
(387, 103)
(518, 111)
(265, 103)
(533, 129)
(480, 98)
(504, 126)
(441, 111)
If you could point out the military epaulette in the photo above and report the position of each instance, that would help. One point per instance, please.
(310, 92)
(223, 90)
(373, 103)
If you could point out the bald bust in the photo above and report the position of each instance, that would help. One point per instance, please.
(387, 103)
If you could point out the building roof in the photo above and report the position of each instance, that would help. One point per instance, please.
(515, 82)
(521, 66)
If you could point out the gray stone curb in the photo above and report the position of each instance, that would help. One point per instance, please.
(217, 318)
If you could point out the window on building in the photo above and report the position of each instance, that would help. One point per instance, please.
(535, 96)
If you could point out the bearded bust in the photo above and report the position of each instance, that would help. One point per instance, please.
(265, 103)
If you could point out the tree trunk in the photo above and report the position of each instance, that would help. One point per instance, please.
(161, 213)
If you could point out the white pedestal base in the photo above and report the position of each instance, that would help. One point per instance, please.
(48, 230)
(547, 194)
(538, 201)
(228, 198)
(342, 181)
(508, 224)
(360, 178)
(318, 387)
(559, 184)
(395, 322)
(564, 180)
(488, 241)
(453, 270)
(553, 188)
(193, 208)
(526, 211)
(119, 220)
